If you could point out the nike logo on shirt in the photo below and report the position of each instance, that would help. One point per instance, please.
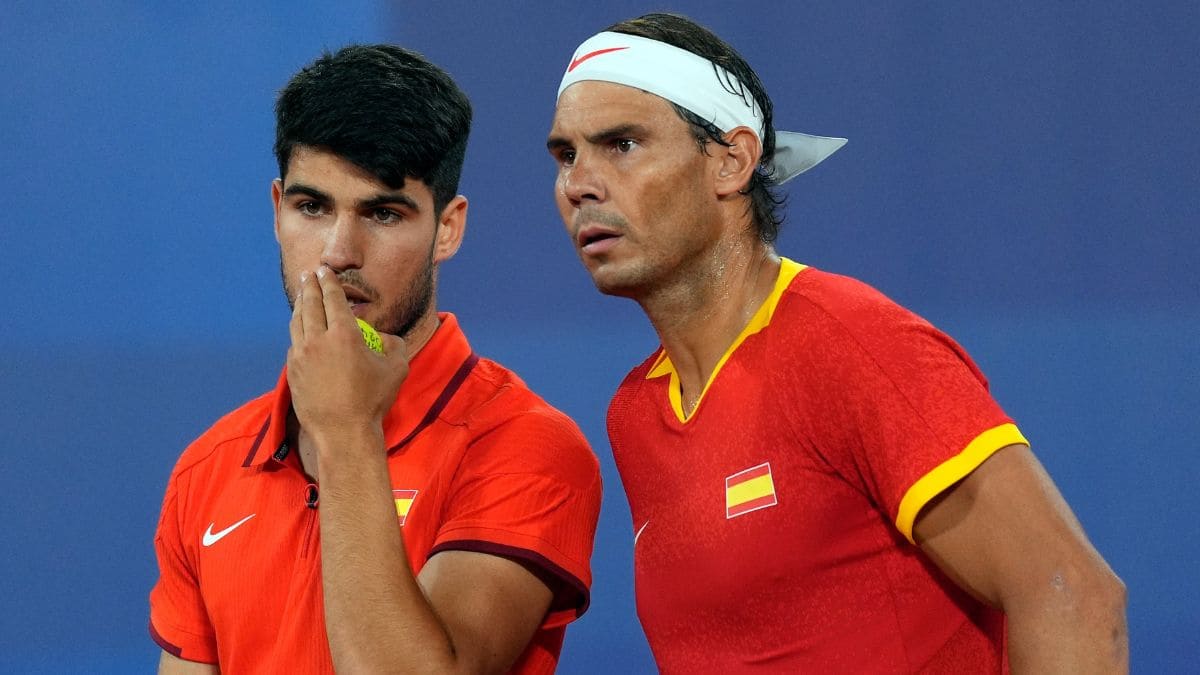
(639, 532)
(211, 538)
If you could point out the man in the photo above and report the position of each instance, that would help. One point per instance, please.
(415, 510)
(818, 479)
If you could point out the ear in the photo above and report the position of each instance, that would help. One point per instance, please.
(276, 202)
(452, 223)
(738, 160)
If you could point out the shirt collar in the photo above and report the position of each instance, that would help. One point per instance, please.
(788, 269)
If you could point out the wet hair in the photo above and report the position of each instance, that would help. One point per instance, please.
(679, 31)
(384, 108)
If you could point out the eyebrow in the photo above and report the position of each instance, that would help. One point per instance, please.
(601, 137)
(381, 199)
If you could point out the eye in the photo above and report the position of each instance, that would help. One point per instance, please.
(309, 208)
(566, 157)
(624, 145)
(385, 216)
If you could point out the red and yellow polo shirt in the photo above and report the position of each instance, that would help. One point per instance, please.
(774, 524)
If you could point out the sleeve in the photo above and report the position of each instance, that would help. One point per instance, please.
(178, 620)
(905, 414)
(529, 490)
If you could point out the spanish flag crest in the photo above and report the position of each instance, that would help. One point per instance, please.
(749, 490)
(404, 500)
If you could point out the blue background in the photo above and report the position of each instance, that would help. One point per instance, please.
(1025, 176)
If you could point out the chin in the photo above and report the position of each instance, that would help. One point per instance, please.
(611, 282)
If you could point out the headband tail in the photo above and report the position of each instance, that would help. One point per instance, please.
(796, 153)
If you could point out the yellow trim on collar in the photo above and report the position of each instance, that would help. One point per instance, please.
(788, 269)
(953, 470)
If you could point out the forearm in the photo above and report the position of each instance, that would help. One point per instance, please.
(1075, 625)
(377, 618)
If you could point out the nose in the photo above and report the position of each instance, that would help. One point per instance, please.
(581, 182)
(343, 247)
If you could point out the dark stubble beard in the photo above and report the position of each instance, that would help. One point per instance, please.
(403, 315)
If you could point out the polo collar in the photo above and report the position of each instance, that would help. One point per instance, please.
(788, 269)
(433, 375)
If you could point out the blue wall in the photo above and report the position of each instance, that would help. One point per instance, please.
(1024, 177)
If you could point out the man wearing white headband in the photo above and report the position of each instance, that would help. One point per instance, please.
(819, 479)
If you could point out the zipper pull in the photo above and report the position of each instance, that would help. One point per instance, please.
(311, 496)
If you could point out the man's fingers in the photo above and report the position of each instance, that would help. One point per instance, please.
(312, 306)
(394, 346)
(395, 350)
(320, 305)
(296, 325)
(336, 308)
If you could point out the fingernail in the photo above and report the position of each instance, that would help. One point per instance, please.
(321, 272)
(303, 277)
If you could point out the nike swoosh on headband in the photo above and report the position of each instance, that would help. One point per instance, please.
(575, 63)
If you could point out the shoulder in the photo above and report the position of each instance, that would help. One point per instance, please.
(232, 431)
(833, 320)
(517, 427)
(496, 395)
(830, 308)
(826, 297)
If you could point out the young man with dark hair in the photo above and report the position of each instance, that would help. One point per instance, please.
(819, 479)
(418, 509)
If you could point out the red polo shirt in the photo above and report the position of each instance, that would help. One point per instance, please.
(478, 462)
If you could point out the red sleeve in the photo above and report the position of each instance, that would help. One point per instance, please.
(909, 413)
(530, 490)
(178, 620)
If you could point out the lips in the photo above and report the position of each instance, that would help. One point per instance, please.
(355, 296)
(596, 238)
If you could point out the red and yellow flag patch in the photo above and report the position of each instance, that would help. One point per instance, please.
(404, 500)
(749, 490)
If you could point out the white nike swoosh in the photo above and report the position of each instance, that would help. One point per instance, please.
(210, 538)
(639, 532)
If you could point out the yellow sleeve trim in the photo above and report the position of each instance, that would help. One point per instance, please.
(953, 470)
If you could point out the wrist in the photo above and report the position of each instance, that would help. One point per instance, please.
(364, 440)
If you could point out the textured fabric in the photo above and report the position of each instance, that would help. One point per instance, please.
(477, 462)
(766, 535)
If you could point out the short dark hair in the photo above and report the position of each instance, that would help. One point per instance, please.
(682, 32)
(383, 108)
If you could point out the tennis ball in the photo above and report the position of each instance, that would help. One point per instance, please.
(370, 336)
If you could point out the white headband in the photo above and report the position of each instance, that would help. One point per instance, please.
(690, 81)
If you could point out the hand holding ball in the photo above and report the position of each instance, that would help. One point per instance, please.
(370, 336)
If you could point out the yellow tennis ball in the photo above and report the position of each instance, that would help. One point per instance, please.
(370, 336)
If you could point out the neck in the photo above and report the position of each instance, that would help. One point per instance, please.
(708, 305)
(422, 331)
